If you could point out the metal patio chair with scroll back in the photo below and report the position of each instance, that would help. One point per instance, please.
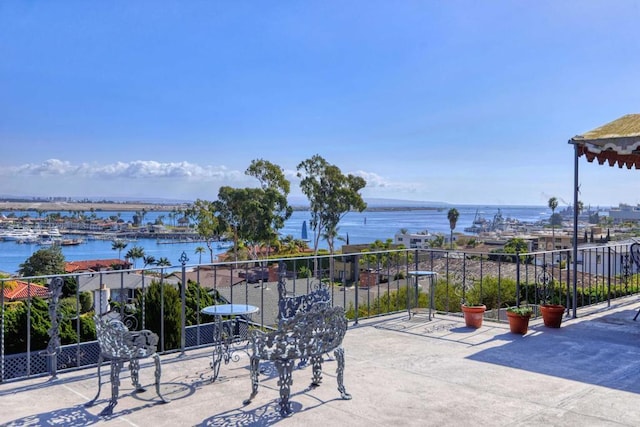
(119, 345)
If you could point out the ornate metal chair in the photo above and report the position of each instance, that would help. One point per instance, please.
(307, 335)
(119, 345)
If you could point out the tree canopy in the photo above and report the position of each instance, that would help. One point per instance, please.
(208, 224)
(331, 195)
(44, 262)
(256, 214)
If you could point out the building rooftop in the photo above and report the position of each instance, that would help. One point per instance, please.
(399, 372)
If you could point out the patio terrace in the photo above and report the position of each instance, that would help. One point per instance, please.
(399, 371)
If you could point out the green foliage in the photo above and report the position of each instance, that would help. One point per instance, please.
(523, 310)
(437, 241)
(86, 302)
(387, 303)
(304, 272)
(44, 262)
(513, 246)
(384, 256)
(16, 325)
(156, 295)
(452, 216)
(134, 254)
(69, 286)
(331, 195)
(209, 225)
(256, 214)
(197, 298)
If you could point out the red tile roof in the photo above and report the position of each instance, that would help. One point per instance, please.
(94, 265)
(19, 290)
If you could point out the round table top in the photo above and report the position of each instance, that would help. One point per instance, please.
(422, 273)
(229, 309)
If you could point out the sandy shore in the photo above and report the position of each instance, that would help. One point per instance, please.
(86, 206)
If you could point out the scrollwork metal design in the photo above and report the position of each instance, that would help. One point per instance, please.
(544, 281)
(55, 316)
(307, 335)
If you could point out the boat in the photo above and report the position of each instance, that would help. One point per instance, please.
(71, 242)
(18, 234)
(224, 244)
(479, 224)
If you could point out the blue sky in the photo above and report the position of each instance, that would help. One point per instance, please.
(463, 102)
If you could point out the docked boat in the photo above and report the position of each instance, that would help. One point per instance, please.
(71, 242)
(479, 225)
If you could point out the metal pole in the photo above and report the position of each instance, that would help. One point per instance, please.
(576, 188)
(183, 298)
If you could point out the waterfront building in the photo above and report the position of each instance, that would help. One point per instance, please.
(419, 240)
(625, 212)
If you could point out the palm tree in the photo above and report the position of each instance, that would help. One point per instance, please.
(200, 250)
(553, 204)
(452, 216)
(135, 253)
(118, 245)
(148, 260)
(163, 262)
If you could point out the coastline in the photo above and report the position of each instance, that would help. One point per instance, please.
(88, 206)
(164, 207)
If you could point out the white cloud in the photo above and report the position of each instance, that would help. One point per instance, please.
(134, 169)
(377, 182)
(149, 177)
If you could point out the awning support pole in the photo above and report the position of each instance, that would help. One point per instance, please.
(576, 188)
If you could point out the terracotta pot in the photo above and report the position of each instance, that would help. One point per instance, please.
(552, 315)
(518, 324)
(473, 315)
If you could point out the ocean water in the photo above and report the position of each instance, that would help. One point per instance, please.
(364, 227)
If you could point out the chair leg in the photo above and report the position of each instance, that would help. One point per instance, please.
(92, 401)
(285, 369)
(339, 354)
(254, 365)
(316, 363)
(157, 373)
(134, 368)
(116, 367)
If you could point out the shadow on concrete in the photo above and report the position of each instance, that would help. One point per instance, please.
(601, 350)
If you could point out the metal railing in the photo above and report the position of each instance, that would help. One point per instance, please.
(366, 284)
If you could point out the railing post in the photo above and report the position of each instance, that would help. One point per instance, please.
(357, 286)
(517, 280)
(183, 299)
(2, 285)
(608, 276)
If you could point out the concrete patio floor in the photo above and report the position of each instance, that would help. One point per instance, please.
(399, 372)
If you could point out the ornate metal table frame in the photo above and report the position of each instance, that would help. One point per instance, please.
(222, 342)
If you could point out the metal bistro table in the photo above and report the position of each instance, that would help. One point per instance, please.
(222, 348)
(418, 274)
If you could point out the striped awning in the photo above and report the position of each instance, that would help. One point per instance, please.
(616, 143)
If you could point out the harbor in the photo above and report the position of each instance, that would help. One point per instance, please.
(356, 228)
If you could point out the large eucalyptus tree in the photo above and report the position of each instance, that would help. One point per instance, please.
(331, 196)
(256, 214)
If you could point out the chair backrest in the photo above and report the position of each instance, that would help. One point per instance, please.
(117, 342)
(309, 333)
(288, 307)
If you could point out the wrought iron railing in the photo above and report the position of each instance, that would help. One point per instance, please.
(366, 284)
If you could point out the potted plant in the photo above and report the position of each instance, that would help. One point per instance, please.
(471, 303)
(550, 303)
(473, 314)
(519, 319)
(552, 314)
